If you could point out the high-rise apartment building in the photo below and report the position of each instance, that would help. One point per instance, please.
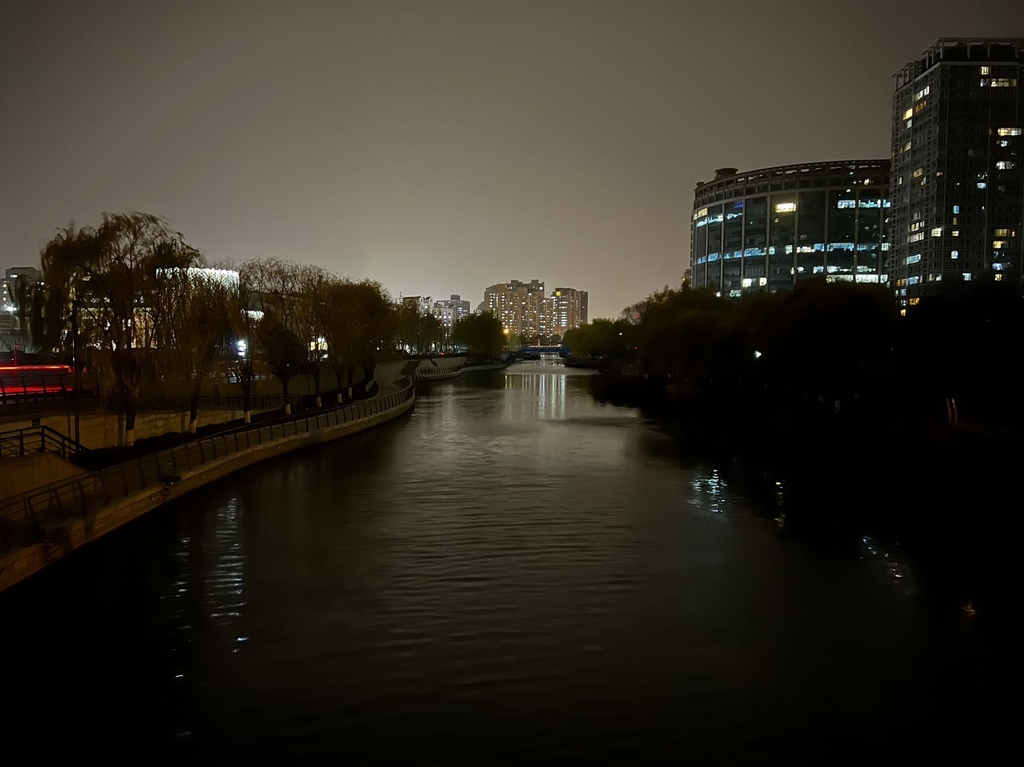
(958, 167)
(519, 306)
(568, 309)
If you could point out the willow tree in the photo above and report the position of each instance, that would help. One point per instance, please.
(195, 319)
(108, 274)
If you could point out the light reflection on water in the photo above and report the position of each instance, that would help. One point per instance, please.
(513, 570)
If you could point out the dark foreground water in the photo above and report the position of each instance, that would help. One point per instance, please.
(511, 572)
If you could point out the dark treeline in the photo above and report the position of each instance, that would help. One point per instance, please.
(867, 419)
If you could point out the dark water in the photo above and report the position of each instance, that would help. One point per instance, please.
(511, 572)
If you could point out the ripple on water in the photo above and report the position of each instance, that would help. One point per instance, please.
(513, 570)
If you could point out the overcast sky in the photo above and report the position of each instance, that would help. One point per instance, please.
(439, 147)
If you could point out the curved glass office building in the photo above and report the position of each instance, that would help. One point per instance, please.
(764, 230)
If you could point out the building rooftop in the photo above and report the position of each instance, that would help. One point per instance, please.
(981, 49)
(828, 167)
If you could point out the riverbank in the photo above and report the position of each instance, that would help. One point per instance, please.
(843, 469)
(45, 525)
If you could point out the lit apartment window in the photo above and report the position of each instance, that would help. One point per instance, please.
(1006, 165)
(954, 254)
(914, 259)
(1002, 232)
(986, 70)
(982, 185)
(937, 231)
(956, 209)
(917, 237)
(998, 278)
(1008, 131)
(920, 106)
(1000, 82)
(908, 114)
(785, 207)
(999, 244)
(918, 172)
(914, 301)
(955, 233)
(968, 276)
(906, 147)
(908, 123)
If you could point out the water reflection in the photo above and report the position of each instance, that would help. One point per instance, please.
(512, 571)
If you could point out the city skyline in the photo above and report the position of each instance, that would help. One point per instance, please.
(419, 160)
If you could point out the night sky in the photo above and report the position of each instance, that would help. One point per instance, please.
(439, 147)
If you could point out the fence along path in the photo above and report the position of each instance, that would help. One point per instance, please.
(42, 512)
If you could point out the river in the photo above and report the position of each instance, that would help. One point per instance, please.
(511, 571)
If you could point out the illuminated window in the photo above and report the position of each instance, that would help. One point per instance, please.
(747, 282)
(956, 209)
(982, 185)
(922, 93)
(920, 106)
(908, 114)
(1003, 142)
(915, 280)
(908, 123)
(918, 172)
(914, 301)
(998, 278)
(913, 259)
(968, 276)
(937, 231)
(999, 244)
(917, 237)
(955, 233)
(1003, 82)
(1002, 232)
(762, 281)
(1009, 131)
(954, 254)
(1006, 165)
(785, 207)
(997, 266)
(906, 147)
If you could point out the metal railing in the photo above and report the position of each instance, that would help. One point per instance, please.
(59, 500)
(17, 443)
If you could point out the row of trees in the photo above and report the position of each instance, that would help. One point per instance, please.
(131, 300)
(128, 298)
(825, 340)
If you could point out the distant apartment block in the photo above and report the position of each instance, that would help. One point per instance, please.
(518, 305)
(958, 167)
(450, 310)
(524, 310)
(568, 310)
(9, 285)
(422, 304)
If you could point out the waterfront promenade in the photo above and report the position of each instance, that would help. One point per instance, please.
(41, 526)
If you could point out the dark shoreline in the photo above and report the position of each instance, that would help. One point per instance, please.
(941, 497)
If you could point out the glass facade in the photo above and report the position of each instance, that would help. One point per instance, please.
(764, 230)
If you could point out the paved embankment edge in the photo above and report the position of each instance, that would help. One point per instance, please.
(78, 531)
